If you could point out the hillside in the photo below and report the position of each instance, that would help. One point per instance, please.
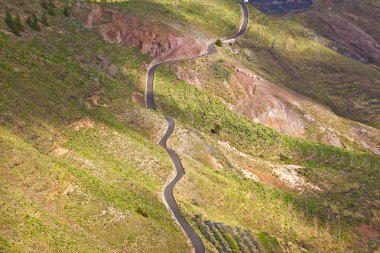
(278, 132)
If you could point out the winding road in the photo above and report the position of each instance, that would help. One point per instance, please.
(168, 196)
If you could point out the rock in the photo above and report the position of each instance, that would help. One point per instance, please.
(69, 189)
(58, 151)
(82, 123)
(289, 175)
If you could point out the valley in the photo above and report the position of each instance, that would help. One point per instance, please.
(274, 135)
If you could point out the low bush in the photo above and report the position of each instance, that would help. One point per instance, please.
(11, 23)
(219, 43)
(44, 20)
(19, 23)
(140, 211)
(66, 11)
(32, 21)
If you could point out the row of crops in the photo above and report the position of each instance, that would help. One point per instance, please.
(226, 239)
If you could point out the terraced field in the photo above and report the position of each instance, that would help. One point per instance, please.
(234, 240)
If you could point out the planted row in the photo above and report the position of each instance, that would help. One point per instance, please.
(226, 239)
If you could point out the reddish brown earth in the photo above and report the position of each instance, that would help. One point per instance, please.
(347, 33)
(369, 232)
(363, 13)
(282, 109)
(290, 113)
(162, 43)
(270, 179)
(268, 104)
(138, 98)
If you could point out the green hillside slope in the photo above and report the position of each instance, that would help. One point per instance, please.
(74, 177)
(80, 169)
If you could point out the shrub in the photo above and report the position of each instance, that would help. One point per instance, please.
(219, 43)
(51, 11)
(49, 6)
(33, 22)
(66, 11)
(11, 23)
(140, 211)
(19, 24)
(216, 130)
(44, 20)
(221, 72)
(52, 4)
(44, 5)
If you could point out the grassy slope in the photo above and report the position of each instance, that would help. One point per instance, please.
(105, 193)
(216, 76)
(213, 18)
(282, 51)
(366, 12)
(279, 46)
(348, 179)
(241, 202)
(104, 176)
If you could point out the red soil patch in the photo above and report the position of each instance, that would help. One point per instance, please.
(270, 179)
(369, 232)
(268, 104)
(138, 98)
(160, 43)
(346, 33)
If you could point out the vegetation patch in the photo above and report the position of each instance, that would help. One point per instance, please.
(324, 165)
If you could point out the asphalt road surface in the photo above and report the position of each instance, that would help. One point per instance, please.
(149, 98)
(196, 241)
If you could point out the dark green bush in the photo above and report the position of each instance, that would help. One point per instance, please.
(44, 20)
(44, 4)
(140, 211)
(52, 12)
(216, 130)
(19, 24)
(32, 21)
(11, 23)
(219, 43)
(49, 6)
(66, 11)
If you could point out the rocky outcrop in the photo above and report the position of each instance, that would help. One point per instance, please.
(162, 43)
